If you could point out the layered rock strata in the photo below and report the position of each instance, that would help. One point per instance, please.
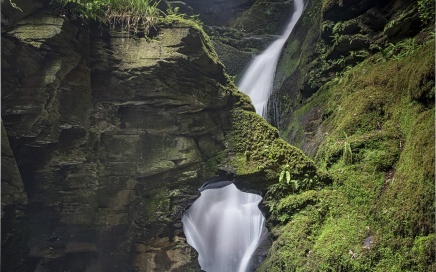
(108, 138)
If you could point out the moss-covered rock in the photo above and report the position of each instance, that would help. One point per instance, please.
(113, 134)
(258, 155)
(372, 133)
(240, 29)
(328, 41)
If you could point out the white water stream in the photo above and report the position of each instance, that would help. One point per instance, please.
(225, 226)
(257, 81)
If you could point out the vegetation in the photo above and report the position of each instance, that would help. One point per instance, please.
(135, 16)
(370, 125)
(130, 14)
(378, 215)
(426, 11)
(399, 50)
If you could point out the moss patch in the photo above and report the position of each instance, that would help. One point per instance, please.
(257, 146)
(376, 139)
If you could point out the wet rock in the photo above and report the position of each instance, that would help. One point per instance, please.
(96, 122)
(215, 12)
(240, 29)
(112, 137)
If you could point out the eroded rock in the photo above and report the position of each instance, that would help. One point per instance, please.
(113, 135)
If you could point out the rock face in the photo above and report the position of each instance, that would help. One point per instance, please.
(110, 140)
(112, 135)
(214, 12)
(326, 41)
(355, 91)
(239, 29)
(81, 114)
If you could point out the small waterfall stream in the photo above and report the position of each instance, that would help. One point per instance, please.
(257, 81)
(225, 226)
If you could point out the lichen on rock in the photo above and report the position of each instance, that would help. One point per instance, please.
(114, 134)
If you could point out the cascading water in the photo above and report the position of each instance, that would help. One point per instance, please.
(225, 226)
(257, 81)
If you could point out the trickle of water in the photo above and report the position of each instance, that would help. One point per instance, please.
(257, 81)
(225, 226)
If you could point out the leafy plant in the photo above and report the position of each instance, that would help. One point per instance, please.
(336, 38)
(338, 27)
(173, 14)
(359, 54)
(398, 18)
(285, 177)
(340, 76)
(399, 50)
(326, 25)
(133, 13)
(347, 154)
(426, 11)
(339, 60)
(285, 173)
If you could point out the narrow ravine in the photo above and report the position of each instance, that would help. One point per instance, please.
(257, 81)
(225, 226)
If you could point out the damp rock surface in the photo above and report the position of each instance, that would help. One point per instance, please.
(111, 137)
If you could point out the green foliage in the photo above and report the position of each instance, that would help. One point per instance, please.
(285, 173)
(400, 17)
(285, 177)
(399, 50)
(336, 38)
(172, 14)
(133, 13)
(339, 26)
(130, 14)
(378, 145)
(342, 75)
(347, 154)
(360, 54)
(326, 25)
(426, 10)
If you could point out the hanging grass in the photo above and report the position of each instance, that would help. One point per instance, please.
(129, 14)
(132, 14)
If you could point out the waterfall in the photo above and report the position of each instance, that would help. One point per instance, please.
(225, 226)
(257, 81)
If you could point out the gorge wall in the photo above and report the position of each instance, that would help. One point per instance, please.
(355, 90)
(106, 138)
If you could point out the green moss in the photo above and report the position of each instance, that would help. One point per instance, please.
(213, 164)
(407, 205)
(183, 21)
(157, 204)
(294, 243)
(348, 231)
(296, 61)
(264, 17)
(257, 146)
(376, 135)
